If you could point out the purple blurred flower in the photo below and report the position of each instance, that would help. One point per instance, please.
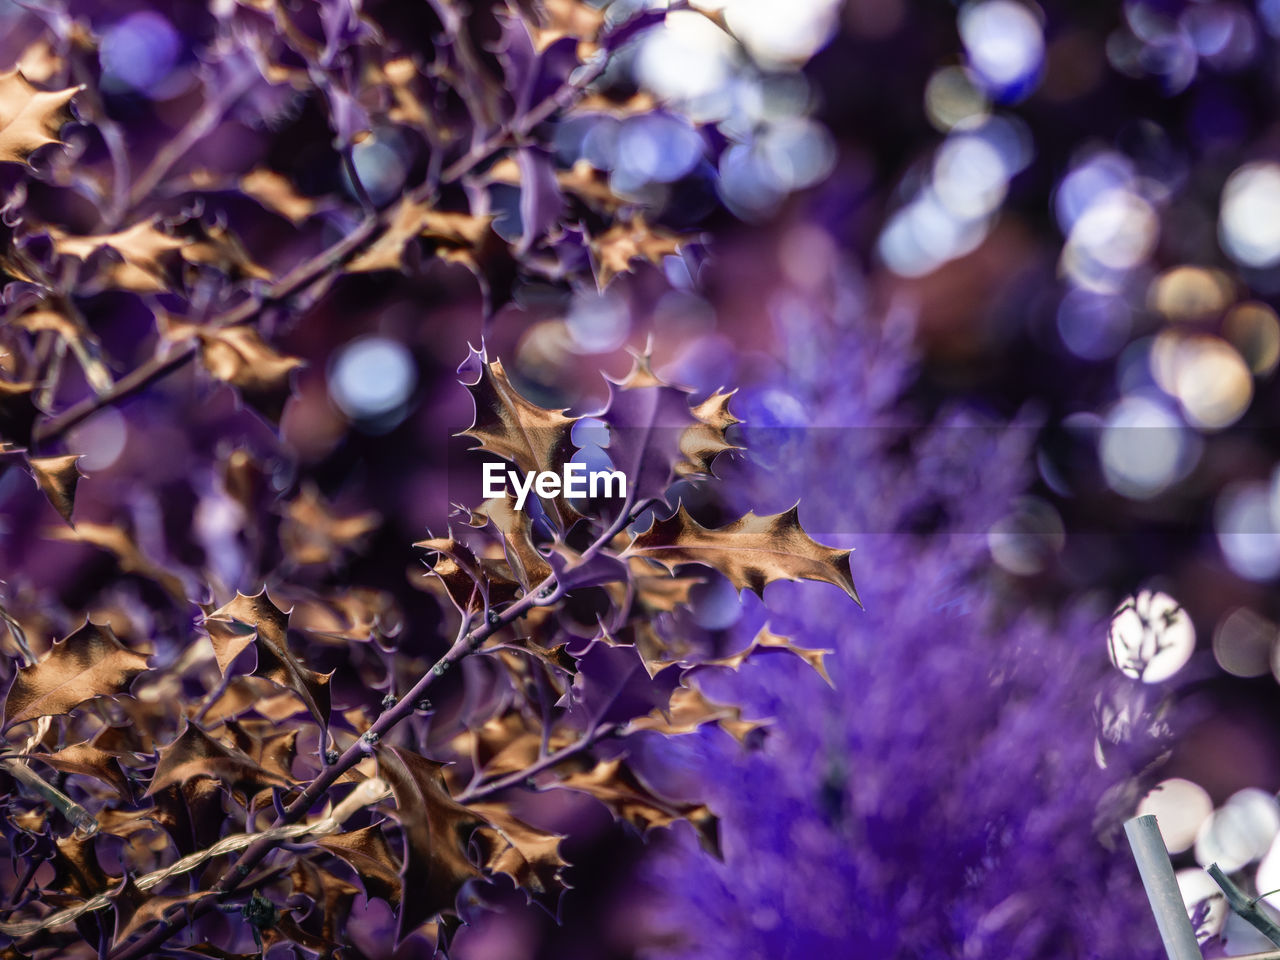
(944, 800)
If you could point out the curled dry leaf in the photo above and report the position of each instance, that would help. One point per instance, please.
(29, 118)
(89, 663)
(690, 709)
(57, 478)
(752, 552)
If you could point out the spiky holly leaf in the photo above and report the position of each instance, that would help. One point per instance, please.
(88, 760)
(57, 478)
(752, 552)
(615, 250)
(436, 831)
(453, 236)
(270, 634)
(331, 895)
(631, 800)
(534, 438)
(144, 250)
(76, 870)
(136, 910)
(647, 418)
(30, 118)
(690, 709)
(239, 356)
(89, 663)
(468, 579)
(767, 640)
(196, 754)
(529, 856)
(367, 852)
(514, 529)
(707, 439)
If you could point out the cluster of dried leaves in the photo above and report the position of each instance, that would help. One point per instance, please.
(182, 758)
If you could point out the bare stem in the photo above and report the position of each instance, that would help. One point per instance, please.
(1246, 906)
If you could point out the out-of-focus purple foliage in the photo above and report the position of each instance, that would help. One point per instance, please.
(943, 799)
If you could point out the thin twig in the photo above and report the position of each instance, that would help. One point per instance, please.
(1245, 905)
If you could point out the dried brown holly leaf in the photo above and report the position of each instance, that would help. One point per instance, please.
(214, 246)
(88, 760)
(275, 662)
(630, 799)
(454, 236)
(312, 532)
(133, 913)
(196, 754)
(436, 830)
(278, 195)
(534, 438)
(705, 440)
(623, 243)
(515, 528)
(89, 663)
(144, 249)
(76, 871)
(331, 895)
(568, 18)
(367, 852)
(57, 477)
(500, 746)
(127, 553)
(590, 185)
(30, 118)
(239, 356)
(752, 552)
(271, 748)
(357, 613)
(690, 709)
(768, 640)
(466, 578)
(529, 856)
(660, 593)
